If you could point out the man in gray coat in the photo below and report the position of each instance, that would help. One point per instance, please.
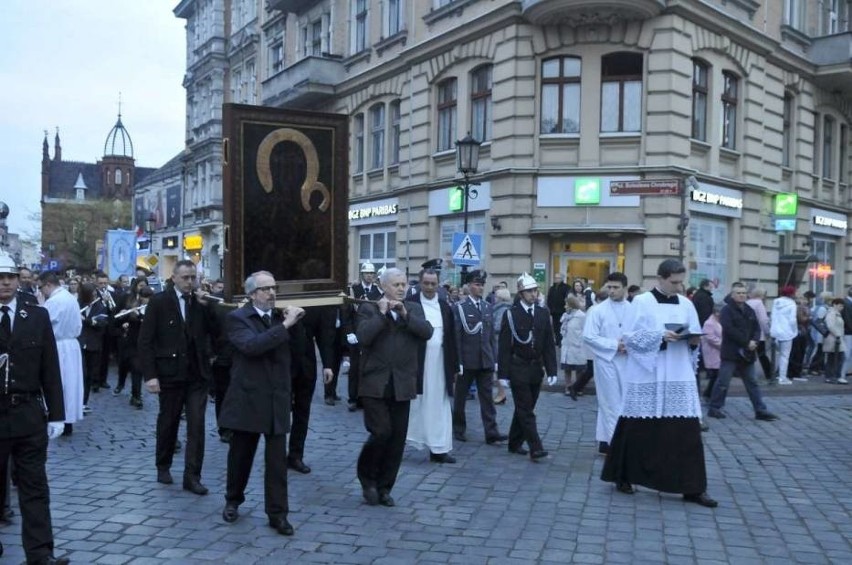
(475, 344)
(390, 333)
(258, 398)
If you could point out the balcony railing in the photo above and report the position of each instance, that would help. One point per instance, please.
(292, 6)
(585, 12)
(308, 82)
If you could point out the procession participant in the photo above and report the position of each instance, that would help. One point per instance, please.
(258, 398)
(603, 334)
(173, 353)
(129, 322)
(67, 325)
(474, 331)
(94, 320)
(431, 417)
(364, 289)
(30, 396)
(657, 441)
(108, 299)
(526, 342)
(390, 333)
(556, 304)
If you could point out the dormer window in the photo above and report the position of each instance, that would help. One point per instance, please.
(81, 194)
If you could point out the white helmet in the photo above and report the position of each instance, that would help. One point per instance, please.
(368, 268)
(526, 282)
(7, 264)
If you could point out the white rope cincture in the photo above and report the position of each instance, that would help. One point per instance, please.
(476, 329)
(4, 365)
(515, 333)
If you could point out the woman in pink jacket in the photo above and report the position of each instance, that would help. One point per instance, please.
(711, 347)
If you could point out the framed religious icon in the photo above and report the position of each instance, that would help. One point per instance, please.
(285, 182)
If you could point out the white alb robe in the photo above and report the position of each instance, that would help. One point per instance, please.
(605, 325)
(430, 418)
(668, 391)
(65, 317)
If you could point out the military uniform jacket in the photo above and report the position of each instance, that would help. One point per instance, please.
(451, 358)
(476, 351)
(541, 349)
(164, 343)
(258, 398)
(33, 372)
(358, 291)
(390, 351)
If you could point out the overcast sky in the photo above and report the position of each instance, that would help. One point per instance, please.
(63, 63)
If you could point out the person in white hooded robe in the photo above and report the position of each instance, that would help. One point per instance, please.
(605, 326)
(65, 317)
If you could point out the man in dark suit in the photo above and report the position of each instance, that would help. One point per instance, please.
(110, 302)
(365, 289)
(31, 386)
(474, 325)
(526, 342)
(390, 333)
(556, 304)
(258, 399)
(175, 359)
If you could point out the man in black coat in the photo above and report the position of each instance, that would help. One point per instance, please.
(526, 343)
(30, 396)
(556, 304)
(258, 399)
(703, 301)
(174, 352)
(390, 333)
(740, 335)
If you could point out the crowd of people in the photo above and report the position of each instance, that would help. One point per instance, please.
(416, 352)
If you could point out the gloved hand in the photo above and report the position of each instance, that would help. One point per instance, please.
(351, 339)
(55, 429)
(551, 380)
(461, 369)
(504, 382)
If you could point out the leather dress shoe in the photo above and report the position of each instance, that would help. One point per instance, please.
(495, 439)
(765, 416)
(572, 392)
(371, 495)
(195, 487)
(701, 499)
(330, 400)
(441, 458)
(385, 499)
(164, 476)
(625, 488)
(519, 450)
(713, 413)
(282, 526)
(299, 466)
(230, 513)
(459, 436)
(51, 560)
(352, 406)
(536, 455)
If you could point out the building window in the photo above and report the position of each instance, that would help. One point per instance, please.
(560, 95)
(708, 243)
(276, 55)
(118, 177)
(81, 194)
(621, 93)
(378, 247)
(394, 20)
(251, 90)
(480, 103)
(794, 13)
(787, 133)
(395, 119)
(815, 144)
(700, 71)
(730, 84)
(827, 147)
(316, 38)
(844, 154)
(360, 18)
(237, 87)
(359, 143)
(377, 136)
(447, 107)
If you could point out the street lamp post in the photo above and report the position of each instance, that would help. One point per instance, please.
(150, 226)
(467, 162)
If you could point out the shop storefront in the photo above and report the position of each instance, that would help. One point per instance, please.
(712, 209)
(374, 225)
(827, 230)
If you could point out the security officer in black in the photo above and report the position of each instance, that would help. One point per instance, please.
(526, 342)
(32, 410)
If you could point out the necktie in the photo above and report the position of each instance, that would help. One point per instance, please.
(530, 311)
(478, 306)
(5, 329)
(267, 321)
(187, 296)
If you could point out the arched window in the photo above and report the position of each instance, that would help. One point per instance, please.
(447, 107)
(700, 73)
(480, 103)
(560, 95)
(395, 118)
(117, 176)
(377, 136)
(730, 96)
(358, 155)
(621, 92)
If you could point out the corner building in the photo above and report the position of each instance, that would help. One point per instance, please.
(751, 98)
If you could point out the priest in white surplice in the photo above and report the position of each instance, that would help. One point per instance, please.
(65, 317)
(430, 422)
(605, 326)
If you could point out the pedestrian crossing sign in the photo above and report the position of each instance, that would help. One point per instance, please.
(466, 248)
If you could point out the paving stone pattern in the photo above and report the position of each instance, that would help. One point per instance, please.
(783, 489)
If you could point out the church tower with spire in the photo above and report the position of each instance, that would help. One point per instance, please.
(118, 164)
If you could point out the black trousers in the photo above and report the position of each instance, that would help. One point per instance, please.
(91, 366)
(221, 382)
(330, 389)
(763, 358)
(557, 327)
(584, 377)
(129, 363)
(241, 452)
(387, 421)
(525, 381)
(483, 379)
(103, 368)
(303, 387)
(354, 372)
(193, 396)
(29, 455)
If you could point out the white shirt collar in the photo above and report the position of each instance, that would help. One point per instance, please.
(262, 313)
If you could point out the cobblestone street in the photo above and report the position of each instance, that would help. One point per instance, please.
(783, 491)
